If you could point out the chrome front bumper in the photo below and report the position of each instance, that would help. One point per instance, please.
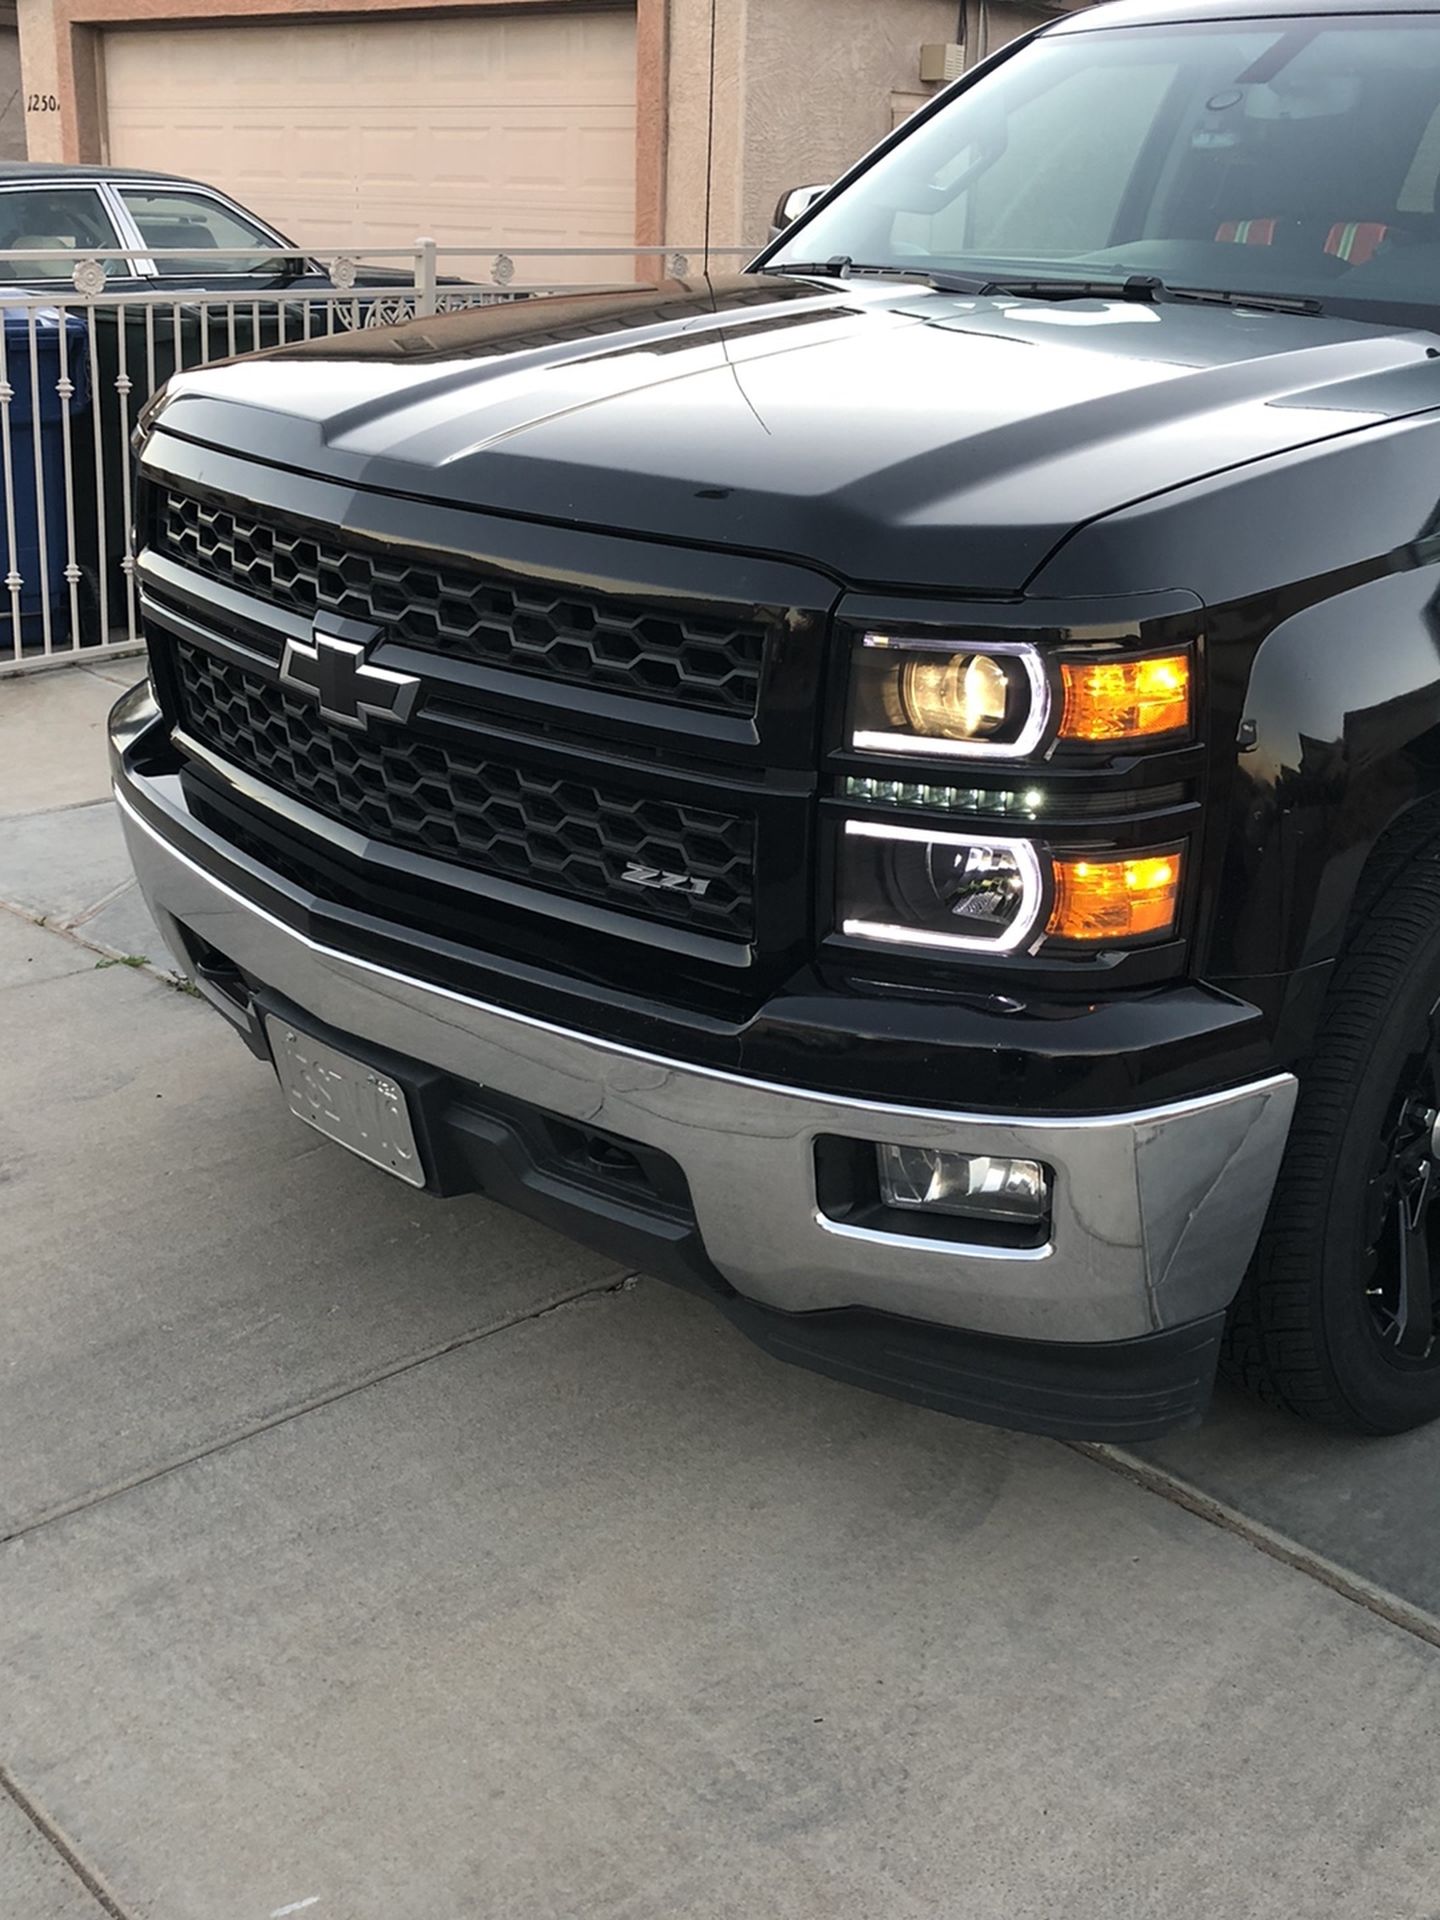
(1156, 1213)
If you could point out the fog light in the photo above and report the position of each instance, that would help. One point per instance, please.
(977, 1186)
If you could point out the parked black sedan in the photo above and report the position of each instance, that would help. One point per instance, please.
(213, 302)
(46, 208)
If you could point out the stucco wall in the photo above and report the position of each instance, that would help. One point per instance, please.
(12, 104)
(819, 76)
(689, 128)
(992, 25)
(44, 132)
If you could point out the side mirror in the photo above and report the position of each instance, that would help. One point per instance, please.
(792, 204)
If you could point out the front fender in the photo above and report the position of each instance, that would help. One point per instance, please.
(1343, 706)
(1319, 570)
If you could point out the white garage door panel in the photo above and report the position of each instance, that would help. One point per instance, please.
(499, 131)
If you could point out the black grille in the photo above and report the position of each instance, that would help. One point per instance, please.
(425, 600)
(569, 836)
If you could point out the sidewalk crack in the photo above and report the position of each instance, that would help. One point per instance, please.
(1354, 1587)
(72, 922)
(64, 929)
(59, 1841)
(84, 1503)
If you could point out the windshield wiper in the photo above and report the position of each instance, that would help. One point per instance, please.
(1139, 286)
(1227, 297)
(842, 267)
(1147, 288)
(835, 268)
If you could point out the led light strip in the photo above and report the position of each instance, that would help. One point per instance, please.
(1032, 891)
(913, 793)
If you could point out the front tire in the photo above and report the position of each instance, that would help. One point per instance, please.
(1337, 1318)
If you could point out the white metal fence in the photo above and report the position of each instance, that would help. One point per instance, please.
(79, 359)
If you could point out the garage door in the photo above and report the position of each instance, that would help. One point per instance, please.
(499, 131)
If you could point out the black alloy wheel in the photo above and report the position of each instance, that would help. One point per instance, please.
(1337, 1318)
(1402, 1250)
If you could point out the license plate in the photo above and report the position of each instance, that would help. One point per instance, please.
(347, 1101)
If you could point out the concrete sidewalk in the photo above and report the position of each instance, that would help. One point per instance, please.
(62, 860)
(368, 1557)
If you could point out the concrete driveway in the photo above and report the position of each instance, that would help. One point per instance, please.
(369, 1557)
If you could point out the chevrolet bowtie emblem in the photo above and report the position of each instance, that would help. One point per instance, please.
(331, 669)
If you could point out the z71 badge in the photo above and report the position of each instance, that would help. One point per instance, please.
(637, 876)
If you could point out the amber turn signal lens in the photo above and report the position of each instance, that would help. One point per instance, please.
(1125, 699)
(1115, 899)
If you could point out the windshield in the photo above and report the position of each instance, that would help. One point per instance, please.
(1297, 157)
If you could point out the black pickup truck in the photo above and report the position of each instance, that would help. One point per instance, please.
(900, 791)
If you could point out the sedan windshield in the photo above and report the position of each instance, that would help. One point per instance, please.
(1298, 157)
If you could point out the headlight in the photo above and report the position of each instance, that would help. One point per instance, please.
(922, 696)
(981, 893)
(964, 696)
(917, 887)
(1006, 699)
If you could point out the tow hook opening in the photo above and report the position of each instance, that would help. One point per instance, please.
(217, 977)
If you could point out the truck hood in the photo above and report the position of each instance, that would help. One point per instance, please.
(889, 435)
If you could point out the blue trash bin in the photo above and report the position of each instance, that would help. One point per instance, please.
(33, 368)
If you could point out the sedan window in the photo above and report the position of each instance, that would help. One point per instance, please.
(45, 217)
(168, 218)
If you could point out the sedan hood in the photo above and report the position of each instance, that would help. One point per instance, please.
(893, 436)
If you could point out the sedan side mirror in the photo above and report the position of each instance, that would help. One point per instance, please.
(792, 204)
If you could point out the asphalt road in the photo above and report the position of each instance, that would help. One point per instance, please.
(369, 1557)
